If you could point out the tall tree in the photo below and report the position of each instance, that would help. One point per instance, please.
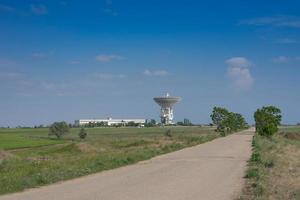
(218, 117)
(267, 119)
(59, 129)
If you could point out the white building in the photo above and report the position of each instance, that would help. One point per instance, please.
(109, 121)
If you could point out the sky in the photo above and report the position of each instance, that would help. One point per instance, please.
(72, 59)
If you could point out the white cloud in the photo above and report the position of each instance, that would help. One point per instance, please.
(239, 73)
(279, 21)
(39, 55)
(111, 11)
(4, 63)
(10, 75)
(47, 85)
(108, 58)
(286, 59)
(238, 62)
(75, 62)
(282, 59)
(39, 9)
(107, 76)
(156, 72)
(6, 8)
(286, 41)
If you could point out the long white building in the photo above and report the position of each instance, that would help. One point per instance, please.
(109, 121)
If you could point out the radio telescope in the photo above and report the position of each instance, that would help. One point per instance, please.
(166, 103)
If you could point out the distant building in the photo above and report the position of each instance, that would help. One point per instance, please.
(109, 121)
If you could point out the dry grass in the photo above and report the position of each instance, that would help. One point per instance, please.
(5, 155)
(274, 169)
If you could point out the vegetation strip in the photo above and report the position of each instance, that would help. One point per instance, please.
(274, 168)
(102, 149)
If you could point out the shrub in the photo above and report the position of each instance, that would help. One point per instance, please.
(82, 133)
(59, 129)
(252, 173)
(256, 157)
(168, 133)
(267, 120)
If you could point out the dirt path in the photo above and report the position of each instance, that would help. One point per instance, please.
(210, 171)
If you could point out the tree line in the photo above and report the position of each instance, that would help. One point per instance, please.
(227, 121)
(267, 119)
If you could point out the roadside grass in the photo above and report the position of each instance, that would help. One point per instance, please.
(274, 167)
(26, 163)
(14, 141)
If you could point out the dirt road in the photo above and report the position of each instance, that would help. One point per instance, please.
(210, 171)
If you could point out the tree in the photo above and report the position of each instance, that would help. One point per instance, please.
(58, 129)
(131, 123)
(218, 117)
(267, 119)
(82, 133)
(227, 121)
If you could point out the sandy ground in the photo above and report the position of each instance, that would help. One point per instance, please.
(210, 171)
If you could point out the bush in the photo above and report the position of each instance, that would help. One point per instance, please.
(82, 133)
(267, 120)
(59, 129)
(168, 133)
(252, 173)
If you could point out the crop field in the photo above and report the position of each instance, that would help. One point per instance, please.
(29, 158)
(274, 168)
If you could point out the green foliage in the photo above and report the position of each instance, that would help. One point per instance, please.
(168, 133)
(267, 119)
(59, 129)
(252, 173)
(132, 124)
(227, 121)
(82, 133)
(218, 117)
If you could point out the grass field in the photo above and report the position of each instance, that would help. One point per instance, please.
(28, 158)
(274, 168)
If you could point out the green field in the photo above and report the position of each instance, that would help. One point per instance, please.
(274, 168)
(29, 158)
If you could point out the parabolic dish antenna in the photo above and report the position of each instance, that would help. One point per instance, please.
(166, 103)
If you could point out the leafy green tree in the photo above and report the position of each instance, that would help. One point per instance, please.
(59, 129)
(82, 133)
(131, 123)
(218, 117)
(267, 119)
(227, 121)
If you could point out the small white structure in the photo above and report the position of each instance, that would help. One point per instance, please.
(109, 121)
(166, 103)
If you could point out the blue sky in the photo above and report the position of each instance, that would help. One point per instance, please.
(65, 60)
